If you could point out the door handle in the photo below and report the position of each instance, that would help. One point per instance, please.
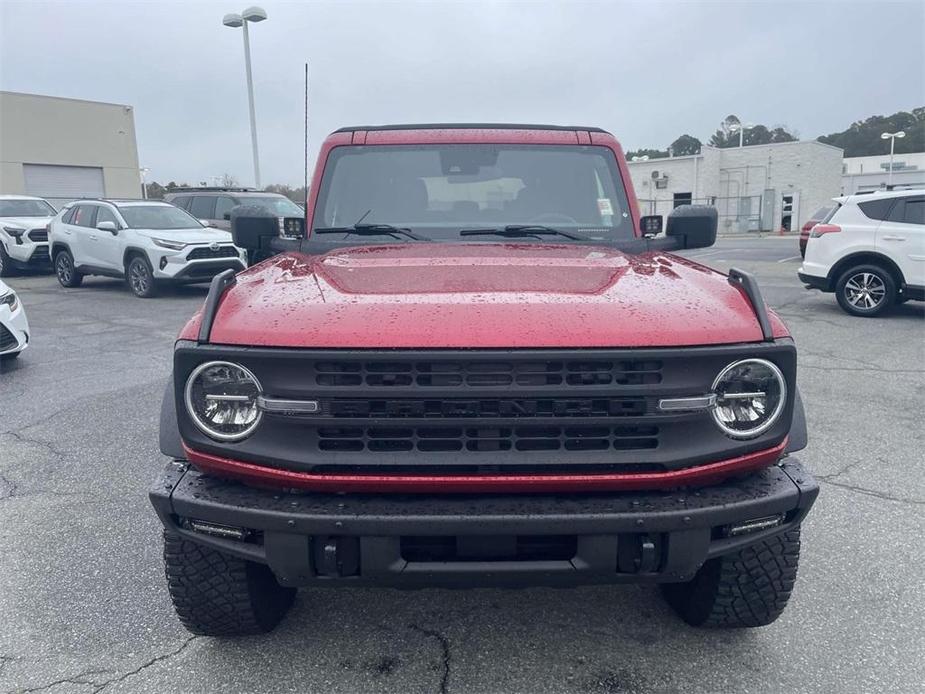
(894, 238)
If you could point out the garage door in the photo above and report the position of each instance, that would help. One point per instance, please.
(63, 182)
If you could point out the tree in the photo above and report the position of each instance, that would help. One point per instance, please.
(685, 145)
(229, 181)
(728, 134)
(862, 138)
(651, 153)
(297, 195)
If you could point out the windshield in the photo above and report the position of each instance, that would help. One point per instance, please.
(158, 217)
(441, 190)
(283, 207)
(26, 208)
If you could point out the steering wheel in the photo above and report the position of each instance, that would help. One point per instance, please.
(553, 217)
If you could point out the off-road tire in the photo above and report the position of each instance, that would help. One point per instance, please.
(749, 588)
(65, 271)
(140, 277)
(6, 264)
(216, 594)
(878, 277)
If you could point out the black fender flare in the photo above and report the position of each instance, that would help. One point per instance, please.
(798, 434)
(169, 439)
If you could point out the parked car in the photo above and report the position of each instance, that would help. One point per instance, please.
(14, 327)
(870, 251)
(817, 217)
(214, 205)
(475, 368)
(146, 242)
(23, 233)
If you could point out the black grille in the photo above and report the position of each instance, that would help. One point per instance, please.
(7, 341)
(38, 235)
(486, 408)
(450, 374)
(40, 255)
(210, 254)
(481, 439)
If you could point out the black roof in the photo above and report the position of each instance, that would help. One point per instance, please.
(469, 126)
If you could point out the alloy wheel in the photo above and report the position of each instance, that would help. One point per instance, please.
(139, 278)
(865, 290)
(63, 266)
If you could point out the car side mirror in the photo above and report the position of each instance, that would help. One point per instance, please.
(651, 225)
(204, 222)
(108, 226)
(693, 225)
(227, 216)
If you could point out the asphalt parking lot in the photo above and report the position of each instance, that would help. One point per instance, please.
(84, 607)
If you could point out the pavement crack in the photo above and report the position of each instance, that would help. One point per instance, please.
(869, 492)
(445, 647)
(47, 445)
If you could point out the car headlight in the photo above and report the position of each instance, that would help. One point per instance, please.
(221, 397)
(172, 245)
(15, 232)
(750, 397)
(9, 299)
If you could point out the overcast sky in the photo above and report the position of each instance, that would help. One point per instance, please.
(646, 71)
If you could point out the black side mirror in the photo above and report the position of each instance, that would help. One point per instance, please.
(651, 225)
(693, 225)
(258, 230)
(226, 216)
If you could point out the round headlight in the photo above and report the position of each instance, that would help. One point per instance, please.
(221, 397)
(750, 396)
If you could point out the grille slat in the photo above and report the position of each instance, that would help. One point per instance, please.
(206, 253)
(7, 341)
(485, 408)
(38, 235)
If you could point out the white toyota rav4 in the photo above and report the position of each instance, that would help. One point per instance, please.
(870, 251)
(23, 235)
(144, 241)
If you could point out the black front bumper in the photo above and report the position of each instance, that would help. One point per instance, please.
(813, 282)
(416, 540)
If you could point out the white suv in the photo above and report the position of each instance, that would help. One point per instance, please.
(870, 251)
(146, 242)
(23, 234)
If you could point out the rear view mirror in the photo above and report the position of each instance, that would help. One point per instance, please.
(651, 225)
(108, 226)
(693, 225)
(258, 230)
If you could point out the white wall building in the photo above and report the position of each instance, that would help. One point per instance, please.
(864, 174)
(62, 149)
(755, 188)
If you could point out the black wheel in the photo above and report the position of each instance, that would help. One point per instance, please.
(140, 277)
(216, 594)
(749, 588)
(6, 265)
(65, 270)
(865, 290)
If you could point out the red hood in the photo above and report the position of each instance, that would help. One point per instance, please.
(482, 296)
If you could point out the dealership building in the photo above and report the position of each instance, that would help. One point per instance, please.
(866, 174)
(63, 149)
(754, 188)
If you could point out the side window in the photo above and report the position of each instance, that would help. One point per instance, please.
(85, 216)
(203, 207)
(104, 214)
(69, 215)
(223, 206)
(912, 212)
(876, 209)
(182, 202)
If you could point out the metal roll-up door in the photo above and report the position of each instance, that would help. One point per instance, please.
(63, 182)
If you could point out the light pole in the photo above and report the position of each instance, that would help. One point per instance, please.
(741, 127)
(251, 14)
(892, 138)
(143, 171)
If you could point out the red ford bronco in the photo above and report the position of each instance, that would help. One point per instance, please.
(476, 364)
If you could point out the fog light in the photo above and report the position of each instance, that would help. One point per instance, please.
(754, 525)
(163, 262)
(227, 531)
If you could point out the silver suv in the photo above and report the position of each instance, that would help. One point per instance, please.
(213, 205)
(146, 242)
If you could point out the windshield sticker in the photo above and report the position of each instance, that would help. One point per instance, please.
(604, 207)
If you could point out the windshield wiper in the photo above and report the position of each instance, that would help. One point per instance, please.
(373, 230)
(523, 231)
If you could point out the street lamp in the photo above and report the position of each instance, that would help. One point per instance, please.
(741, 127)
(892, 138)
(251, 14)
(143, 172)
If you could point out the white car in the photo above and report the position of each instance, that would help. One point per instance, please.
(23, 233)
(870, 251)
(146, 242)
(14, 328)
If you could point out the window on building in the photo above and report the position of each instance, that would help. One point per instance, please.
(683, 199)
(203, 207)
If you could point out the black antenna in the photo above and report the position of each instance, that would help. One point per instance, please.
(305, 163)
